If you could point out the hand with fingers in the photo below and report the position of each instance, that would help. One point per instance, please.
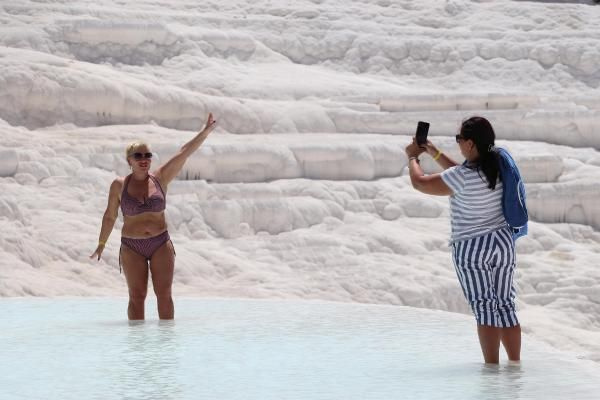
(414, 150)
(430, 148)
(98, 252)
(210, 124)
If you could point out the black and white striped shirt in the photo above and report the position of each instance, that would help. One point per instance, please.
(475, 209)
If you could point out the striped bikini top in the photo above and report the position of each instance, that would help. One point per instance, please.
(154, 203)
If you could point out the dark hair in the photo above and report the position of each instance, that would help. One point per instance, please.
(480, 131)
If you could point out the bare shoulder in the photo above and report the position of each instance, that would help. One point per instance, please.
(160, 178)
(117, 184)
(157, 173)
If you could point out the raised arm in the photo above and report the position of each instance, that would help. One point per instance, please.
(110, 216)
(441, 158)
(428, 184)
(169, 170)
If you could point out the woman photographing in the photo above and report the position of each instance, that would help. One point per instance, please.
(483, 248)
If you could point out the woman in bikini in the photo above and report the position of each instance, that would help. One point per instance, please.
(145, 243)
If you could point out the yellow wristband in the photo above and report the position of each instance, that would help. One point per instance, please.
(437, 156)
(101, 243)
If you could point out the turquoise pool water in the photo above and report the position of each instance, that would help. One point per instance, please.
(81, 348)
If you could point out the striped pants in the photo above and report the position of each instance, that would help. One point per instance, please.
(485, 267)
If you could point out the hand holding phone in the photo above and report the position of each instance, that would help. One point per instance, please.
(421, 135)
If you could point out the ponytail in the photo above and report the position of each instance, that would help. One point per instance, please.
(480, 131)
(488, 164)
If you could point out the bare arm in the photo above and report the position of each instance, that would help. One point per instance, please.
(169, 170)
(110, 216)
(442, 159)
(428, 184)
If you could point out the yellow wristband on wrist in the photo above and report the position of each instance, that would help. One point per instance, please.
(437, 156)
(101, 243)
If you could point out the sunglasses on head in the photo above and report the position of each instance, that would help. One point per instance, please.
(140, 156)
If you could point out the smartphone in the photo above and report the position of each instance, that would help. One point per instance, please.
(422, 130)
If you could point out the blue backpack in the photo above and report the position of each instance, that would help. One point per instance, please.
(513, 196)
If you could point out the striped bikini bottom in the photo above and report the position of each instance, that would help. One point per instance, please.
(145, 247)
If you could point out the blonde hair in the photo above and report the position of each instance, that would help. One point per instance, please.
(134, 145)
